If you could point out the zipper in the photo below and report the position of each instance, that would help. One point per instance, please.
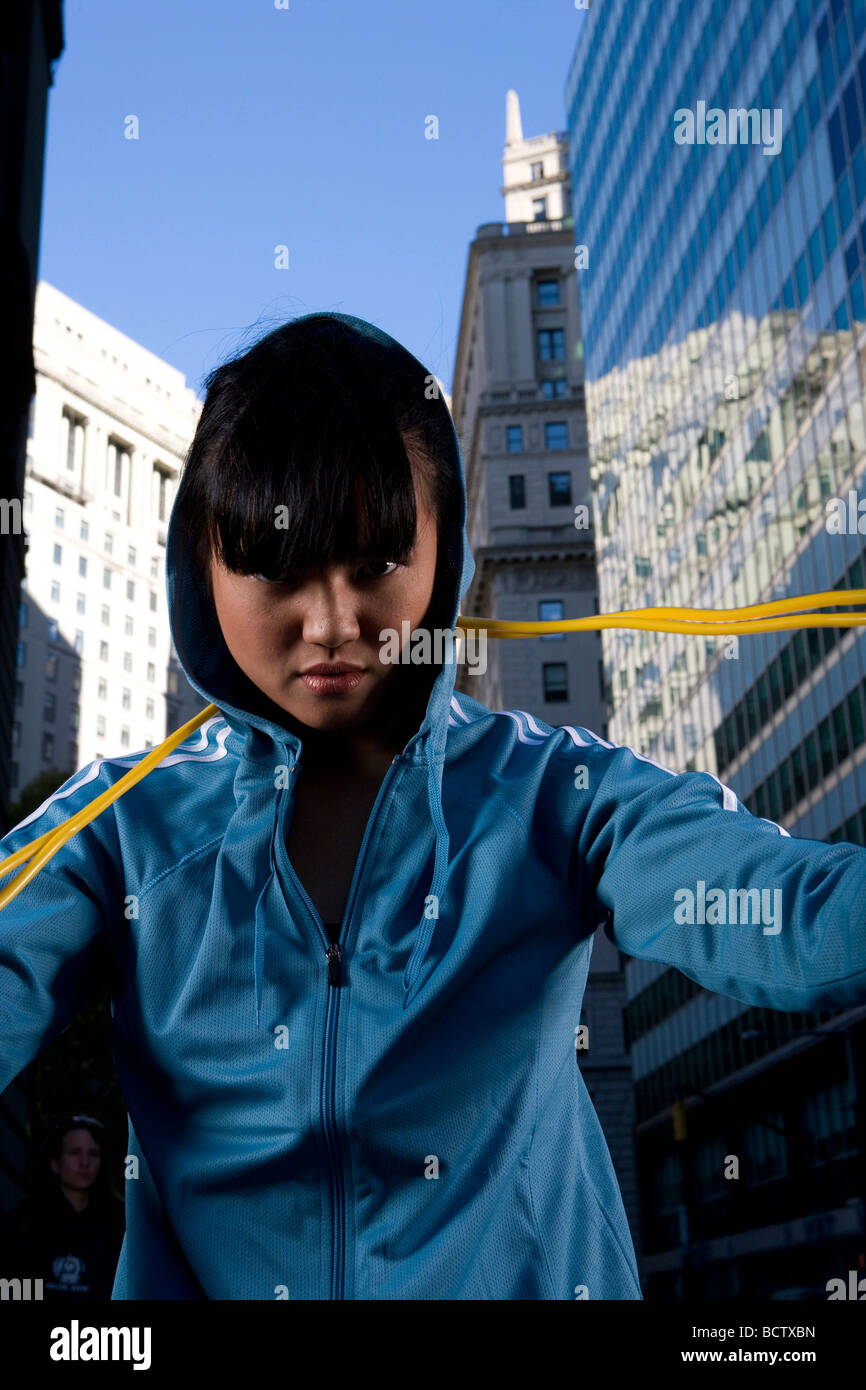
(334, 959)
(334, 955)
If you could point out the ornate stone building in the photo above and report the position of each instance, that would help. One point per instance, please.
(518, 405)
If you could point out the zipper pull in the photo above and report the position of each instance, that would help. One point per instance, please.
(334, 955)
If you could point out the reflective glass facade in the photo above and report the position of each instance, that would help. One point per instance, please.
(718, 169)
(724, 318)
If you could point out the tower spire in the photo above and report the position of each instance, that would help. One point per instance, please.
(513, 127)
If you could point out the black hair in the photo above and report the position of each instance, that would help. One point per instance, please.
(336, 427)
(94, 1127)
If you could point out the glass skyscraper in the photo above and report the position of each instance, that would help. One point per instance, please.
(718, 170)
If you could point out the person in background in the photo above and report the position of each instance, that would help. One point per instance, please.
(69, 1232)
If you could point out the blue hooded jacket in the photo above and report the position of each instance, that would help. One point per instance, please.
(414, 1125)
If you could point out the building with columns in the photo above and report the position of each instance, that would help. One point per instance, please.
(96, 674)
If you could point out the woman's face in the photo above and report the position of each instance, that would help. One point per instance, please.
(277, 631)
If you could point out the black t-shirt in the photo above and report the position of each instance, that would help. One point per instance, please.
(72, 1252)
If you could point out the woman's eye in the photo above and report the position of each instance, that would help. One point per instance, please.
(369, 568)
(392, 563)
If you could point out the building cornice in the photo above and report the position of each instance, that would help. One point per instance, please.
(530, 552)
(119, 409)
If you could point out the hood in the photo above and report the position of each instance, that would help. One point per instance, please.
(212, 671)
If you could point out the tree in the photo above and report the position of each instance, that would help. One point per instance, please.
(35, 793)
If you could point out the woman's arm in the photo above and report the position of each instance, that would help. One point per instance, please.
(690, 877)
(53, 942)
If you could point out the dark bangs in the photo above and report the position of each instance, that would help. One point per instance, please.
(298, 460)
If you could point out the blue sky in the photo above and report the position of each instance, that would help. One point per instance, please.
(302, 127)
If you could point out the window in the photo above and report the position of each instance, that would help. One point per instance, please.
(55, 591)
(172, 682)
(109, 543)
(127, 661)
(102, 689)
(76, 676)
(124, 736)
(127, 697)
(855, 714)
(551, 344)
(827, 1119)
(84, 531)
(517, 491)
(152, 601)
(539, 209)
(148, 709)
(58, 517)
(58, 554)
(130, 588)
(100, 725)
(556, 434)
(23, 614)
(118, 463)
(20, 653)
(103, 651)
(47, 746)
(106, 578)
(74, 716)
(550, 610)
(106, 615)
(82, 566)
(52, 630)
(79, 640)
(79, 603)
(514, 438)
(154, 566)
(537, 169)
(72, 439)
(555, 679)
(131, 555)
(548, 293)
(128, 625)
(151, 636)
(559, 489)
(151, 672)
(554, 389)
(49, 707)
(161, 486)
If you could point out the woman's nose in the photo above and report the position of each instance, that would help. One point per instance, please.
(330, 617)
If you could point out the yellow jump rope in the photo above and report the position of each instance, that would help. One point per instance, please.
(759, 617)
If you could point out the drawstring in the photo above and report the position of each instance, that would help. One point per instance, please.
(430, 916)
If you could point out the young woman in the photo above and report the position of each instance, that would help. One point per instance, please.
(350, 919)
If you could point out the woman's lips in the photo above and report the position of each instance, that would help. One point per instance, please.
(333, 685)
